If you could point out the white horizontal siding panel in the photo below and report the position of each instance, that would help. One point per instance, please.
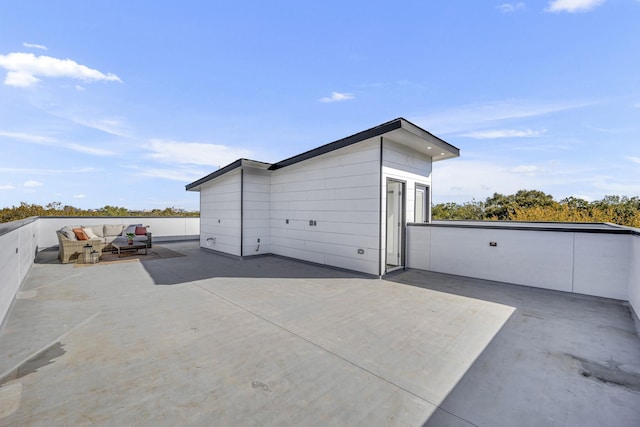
(220, 214)
(602, 265)
(363, 265)
(370, 192)
(358, 181)
(399, 157)
(342, 251)
(345, 239)
(317, 174)
(287, 251)
(339, 191)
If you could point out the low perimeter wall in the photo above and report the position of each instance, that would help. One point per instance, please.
(21, 240)
(592, 259)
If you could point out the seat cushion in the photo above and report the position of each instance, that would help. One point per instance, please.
(113, 229)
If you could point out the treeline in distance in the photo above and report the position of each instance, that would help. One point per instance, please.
(534, 205)
(25, 210)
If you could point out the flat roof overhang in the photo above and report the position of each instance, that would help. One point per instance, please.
(399, 130)
(420, 140)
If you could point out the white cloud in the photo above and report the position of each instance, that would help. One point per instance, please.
(45, 140)
(7, 187)
(47, 171)
(24, 67)
(573, 6)
(34, 46)
(32, 183)
(174, 174)
(634, 159)
(468, 118)
(79, 196)
(528, 170)
(195, 153)
(88, 150)
(510, 7)
(504, 133)
(337, 97)
(111, 126)
(36, 139)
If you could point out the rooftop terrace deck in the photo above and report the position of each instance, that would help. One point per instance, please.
(205, 339)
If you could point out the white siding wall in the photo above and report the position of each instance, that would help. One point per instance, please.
(257, 212)
(403, 164)
(220, 214)
(338, 190)
(596, 264)
(17, 252)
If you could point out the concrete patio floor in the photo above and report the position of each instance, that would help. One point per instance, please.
(205, 339)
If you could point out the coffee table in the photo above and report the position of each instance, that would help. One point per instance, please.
(123, 246)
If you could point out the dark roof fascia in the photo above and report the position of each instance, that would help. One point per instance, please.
(379, 130)
(521, 226)
(230, 167)
(341, 143)
(221, 171)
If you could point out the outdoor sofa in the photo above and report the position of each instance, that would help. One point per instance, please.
(72, 240)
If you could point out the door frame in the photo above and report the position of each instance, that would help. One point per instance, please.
(427, 202)
(402, 227)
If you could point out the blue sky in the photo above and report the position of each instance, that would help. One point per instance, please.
(124, 102)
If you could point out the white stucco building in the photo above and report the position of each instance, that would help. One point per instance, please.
(344, 204)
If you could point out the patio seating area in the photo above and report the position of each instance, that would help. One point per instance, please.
(207, 339)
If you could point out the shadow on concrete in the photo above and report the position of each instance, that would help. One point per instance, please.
(560, 359)
(200, 265)
(47, 256)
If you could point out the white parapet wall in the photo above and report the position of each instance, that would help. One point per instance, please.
(18, 245)
(634, 278)
(20, 241)
(590, 259)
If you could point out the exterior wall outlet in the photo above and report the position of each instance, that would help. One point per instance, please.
(493, 244)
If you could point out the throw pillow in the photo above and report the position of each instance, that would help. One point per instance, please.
(141, 231)
(89, 232)
(69, 234)
(80, 234)
(131, 229)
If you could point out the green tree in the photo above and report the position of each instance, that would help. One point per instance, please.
(473, 210)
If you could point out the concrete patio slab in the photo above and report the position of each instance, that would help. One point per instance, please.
(206, 339)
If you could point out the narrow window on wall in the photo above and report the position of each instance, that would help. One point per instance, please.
(422, 203)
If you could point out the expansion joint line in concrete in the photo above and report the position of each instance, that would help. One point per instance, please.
(350, 362)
